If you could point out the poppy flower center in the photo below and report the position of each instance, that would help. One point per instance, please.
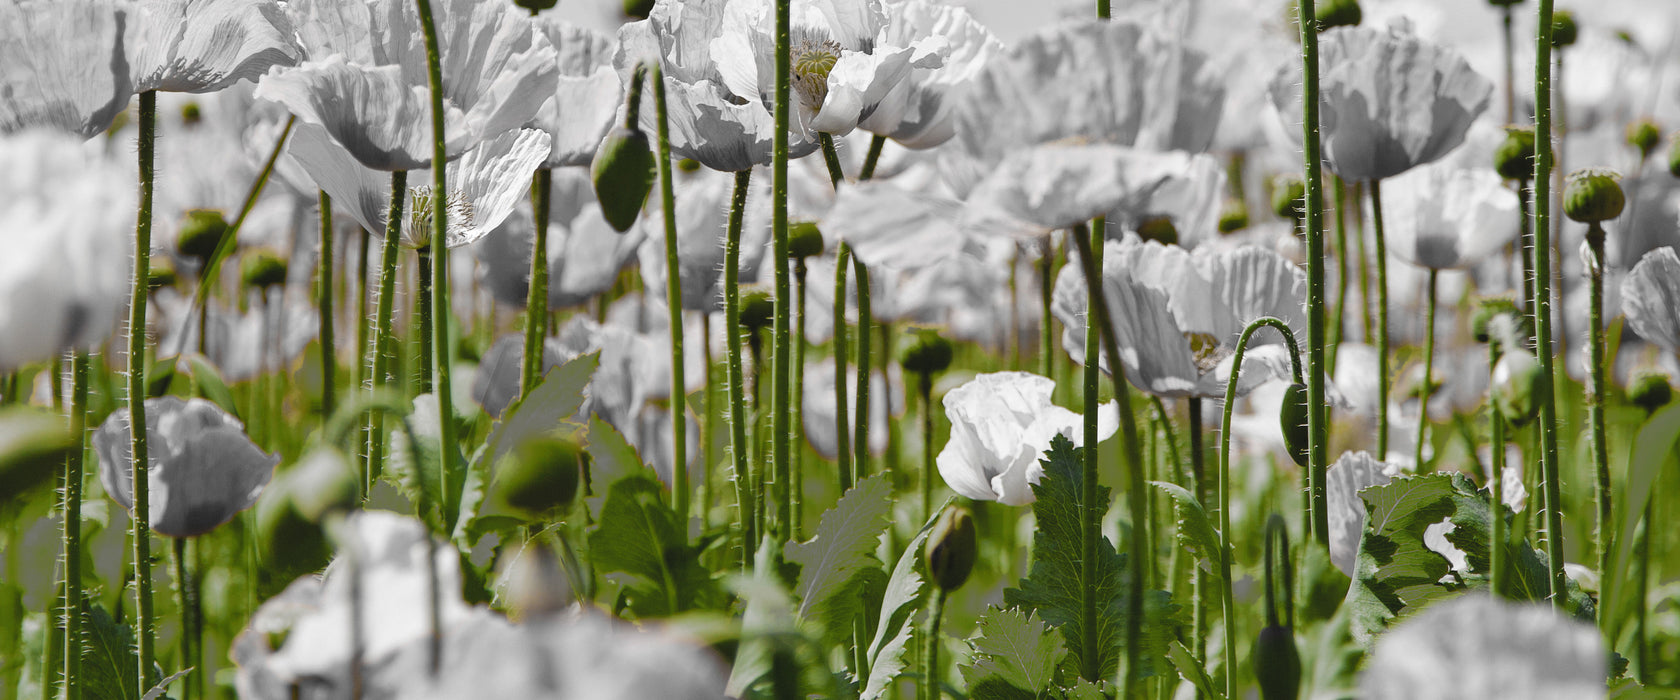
(812, 57)
(456, 204)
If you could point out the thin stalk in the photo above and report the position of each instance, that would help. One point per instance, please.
(1318, 411)
(1543, 298)
(536, 297)
(1230, 611)
(1364, 263)
(1198, 486)
(183, 590)
(924, 389)
(1130, 448)
(423, 320)
(842, 427)
(1496, 483)
(1641, 591)
(796, 477)
(1090, 524)
(831, 158)
(324, 302)
(738, 415)
(1046, 288)
(1595, 412)
(860, 418)
(673, 301)
(708, 446)
(1510, 64)
(876, 143)
(364, 377)
(1339, 192)
(1428, 369)
(890, 461)
(73, 478)
(384, 345)
(1527, 242)
(141, 528)
(930, 675)
(1014, 339)
(1382, 320)
(779, 232)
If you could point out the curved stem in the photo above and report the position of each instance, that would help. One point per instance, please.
(1382, 320)
(876, 143)
(779, 232)
(842, 427)
(930, 675)
(536, 296)
(1496, 483)
(73, 477)
(860, 418)
(673, 301)
(1595, 413)
(1229, 616)
(139, 464)
(1278, 532)
(324, 302)
(738, 415)
(383, 342)
(1428, 370)
(1543, 298)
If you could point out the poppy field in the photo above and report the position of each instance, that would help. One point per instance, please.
(852, 349)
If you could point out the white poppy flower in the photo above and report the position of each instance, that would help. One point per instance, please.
(1443, 217)
(1039, 189)
(918, 112)
(1478, 646)
(703, 203)
(1345, 511)
(885, 224)
(584, 256)
(1651, 298)
(206, 45)
(1001, 425)
(587, 94)
(818, 407)
(64, 65)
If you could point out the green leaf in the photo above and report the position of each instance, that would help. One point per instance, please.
(1191, 670)
(109, 659)
(557, 398)
(33, 445)
(768, 615)
(842, 550)
(1054, 586)
(639, 542)
(211, 385)
(1330, 660)
(899, 603)
(1195, 532)
(1651, 452)
(420, 482)
(1015, 648)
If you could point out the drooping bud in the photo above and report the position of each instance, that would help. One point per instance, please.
(1519, 386)
(951, 548)
(1593, 195)
(624, 165)
(1338, 13)
(201, 232)
(1277, 664)
(1650, 391)
(804, 240)
(638, 9)
(1644, 136)
(1292, 418)
(1564, 30)
(757, 309)
(1514, 157)
(924, 351)
(1674, 154)
(542, 478)
(191, 114)
(688, 165)
(262, 268)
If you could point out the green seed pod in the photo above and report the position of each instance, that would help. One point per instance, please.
(1564, 30)
(1514, 157)
(1277, 664)
(951, 548)
(543, 476)
(1486, 310)
(924, 352)
(1644, 136)
(191, 114)
(757, 309)
(1338, 13)
(1593, 195)
(261, 269)
(688, 165)
(201, 232)
(638, 9)
(1159, 229)
(1519, 386)
(624, 165)
(160, 275)
(1289, 198)
(804, 240)
(535, 6)
(1674, 154)
(1233, 217)
(1292, 418)
(1650, 391)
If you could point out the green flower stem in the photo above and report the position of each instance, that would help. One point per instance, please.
(738, 416)
(860, 418)
(673, 300)
(1339, 192)
(842, 427)
(324, 302)
(796, 479)
(1046, 289)
(779, 232)
(141, 528)
(1090, 526)
(73, 471)
(1526, 242)
(1595, 412)
(831, 158)
(1381, 330)
(383, 344)
(536, 297)
(1496, 482)
(1543, 299)
(876, 143)
(54, 648)
(1428, 369)
(1509, 37)
(363, 373)
(422, 367)
(1133, 487)
(1355, 201)
(930, 676)
(924, 387)
(189, 627)
(1198, 486)
(1230, 612)
(708, 449)
(890, 460)
(1641, 591)
(1318, 411)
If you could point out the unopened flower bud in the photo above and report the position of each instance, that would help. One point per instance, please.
(1645, 136)
(160, 275)
(191, 114)
(1289, 198)
(1292, 418)
(1519, 386)
(688, 165)
(804, 240)
(1486, 310)
(535, 6)
(1277, 663)
(1674, 154)
(1564, 31)
(925, 352)
(201, 232)
(542, 478)
(1514, 157)
(624, 166)
(951, 548)
(638, 9)
(757, 309)
(1234, 217)
(1159, 229)
(1504, 3)
(1338, 13)
(1650, 391)
(1593, 195)
(261, 269)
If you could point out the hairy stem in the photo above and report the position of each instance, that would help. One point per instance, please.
(536, 296)
(1428, 369)
(673, 301)
(738, 416)
(1318, 411)
(324, 302)
(383, 342)
(1543, 298)
(139, 464)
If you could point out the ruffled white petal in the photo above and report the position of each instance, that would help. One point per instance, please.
(375, 113)
(64, 65)
(887, 225)
(492, 179)
(1651, 298)
(206, 45)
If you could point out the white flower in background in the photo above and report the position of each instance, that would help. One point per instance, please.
(1651, 298)
(64, 65)
(885, 224)
(206, 45)
(269, 335)
(918, 112)
(585, 254)
(587, 95)
(1478, 646)
(1443, 217)
(817, 407)
(1001, 425)
(703, 203)
(1353, 472)
(67, 210)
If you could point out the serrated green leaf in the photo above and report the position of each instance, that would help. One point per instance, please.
(557, 398)
(1085, 690)
(1055, 585)
(1195, 531)
(899, 603)
(109, 659)
(1191, 670)
(1015, 647)
(420, 482)
(844, 547)
(639, 541)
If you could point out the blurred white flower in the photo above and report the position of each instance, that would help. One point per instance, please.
(584, 253)
(818, 402)
(241, 344)
(703, 203)
(1478, 646)
(64, 65)
(1651, 298)
(586, 96)
(1001, 425)
(1039, 189)
(1353, 472)
(1442, 217)
(918, 112)
(206, 45)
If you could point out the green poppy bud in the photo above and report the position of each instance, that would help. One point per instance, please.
(1159, 229)
(1338, 13)
(261, 269)
(1289, 198)
(624, 165)
(1514, 157)
(1644, 135)
(1277, 664)
(688, 165)
(925, 352)
(1519, 386)
(804, 240)
(1593, 195)
(951, 548)
(201, 232)
(542, 478)
(535, 6)
(1674, 154)
(1650, 391)
(1486, 310)
(1292, 418)
(1564, 31)
(1234, 217)
(638, 9)
(191, 114)
(757, 309)
(160, 275)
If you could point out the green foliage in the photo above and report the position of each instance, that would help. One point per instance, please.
(211, 385)
(639, 542)
(833, 562)
(900, 600)
(413, 469)
(557, 398)
(1191, 670)
(109, 660)
(1195, 531)
(1054, 585)
(1015, 655)
(33, 443)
